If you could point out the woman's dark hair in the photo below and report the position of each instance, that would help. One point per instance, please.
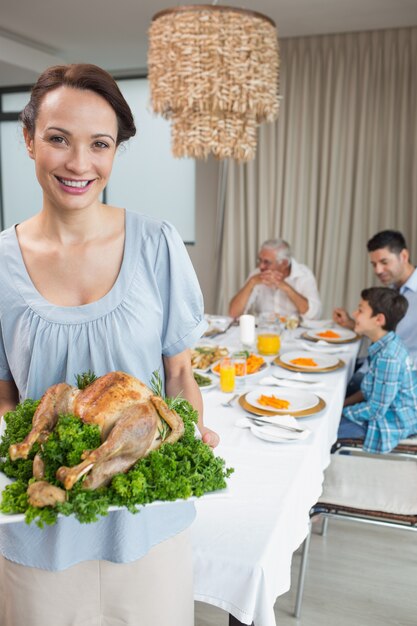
(388, 302)
(80, 76)
(391, 239)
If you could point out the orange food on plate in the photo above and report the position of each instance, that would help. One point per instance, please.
(304, 362)
(329, 334)
(253, 364)
(276, 403)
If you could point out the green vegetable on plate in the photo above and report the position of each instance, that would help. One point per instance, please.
(202, 381)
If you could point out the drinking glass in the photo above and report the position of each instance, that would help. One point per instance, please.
(269, 331)
(239, 361)
(291, 324)
(227, 375)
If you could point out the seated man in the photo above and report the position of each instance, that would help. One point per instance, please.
(385, 409)
(391, 262)
(279, 285)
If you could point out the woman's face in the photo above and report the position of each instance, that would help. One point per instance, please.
(73, 147)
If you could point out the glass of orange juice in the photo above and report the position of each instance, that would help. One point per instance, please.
(227, 375)
(269, 343)
(268, 339)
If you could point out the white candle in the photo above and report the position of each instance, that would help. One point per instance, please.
(247, 329)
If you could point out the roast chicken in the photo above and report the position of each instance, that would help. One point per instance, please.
(132, 422)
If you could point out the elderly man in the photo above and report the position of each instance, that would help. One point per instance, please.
(279, 285)
(391, 262)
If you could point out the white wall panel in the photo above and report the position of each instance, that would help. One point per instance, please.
(146, 178)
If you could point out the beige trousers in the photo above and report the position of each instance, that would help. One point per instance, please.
(156, 590)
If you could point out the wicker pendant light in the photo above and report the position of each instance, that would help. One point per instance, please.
(213, 71)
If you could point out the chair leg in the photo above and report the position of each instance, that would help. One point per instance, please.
(324, 524)
(233, 621)
(302, 574)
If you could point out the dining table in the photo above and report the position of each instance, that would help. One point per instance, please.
(244, 540)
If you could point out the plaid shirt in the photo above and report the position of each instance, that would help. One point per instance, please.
(390, 391)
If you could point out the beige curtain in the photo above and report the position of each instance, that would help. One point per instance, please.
(339, 165)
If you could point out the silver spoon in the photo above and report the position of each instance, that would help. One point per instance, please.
(229, 403)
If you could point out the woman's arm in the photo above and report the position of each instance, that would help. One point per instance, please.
(179, 380)
(9, 396)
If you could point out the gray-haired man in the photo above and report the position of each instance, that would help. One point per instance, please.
(279, 285)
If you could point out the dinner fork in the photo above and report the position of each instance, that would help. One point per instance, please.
(229, 403)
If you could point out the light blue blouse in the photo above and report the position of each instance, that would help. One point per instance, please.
(154, 308)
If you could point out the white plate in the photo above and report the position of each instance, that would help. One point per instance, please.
(313, 324)
(344, 334)
(322, 360)
(20, 517)
(299, 400)
(263, 367)
(268, 433)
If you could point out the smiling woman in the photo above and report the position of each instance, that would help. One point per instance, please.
(88, 286)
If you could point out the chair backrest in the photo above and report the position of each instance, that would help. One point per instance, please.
(377, 483)
(406, 447)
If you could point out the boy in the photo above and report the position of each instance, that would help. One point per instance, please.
(384, 411)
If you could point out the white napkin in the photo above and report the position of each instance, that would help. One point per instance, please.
(272, 433)
(323, 346)
(295, 382)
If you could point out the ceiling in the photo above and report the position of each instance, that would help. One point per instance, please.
(113, 34)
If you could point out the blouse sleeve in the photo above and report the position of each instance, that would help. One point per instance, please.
(5, 373)
(182, 300)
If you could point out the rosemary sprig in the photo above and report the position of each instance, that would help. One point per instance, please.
(156, 383)
(85, 379)
(157, 388)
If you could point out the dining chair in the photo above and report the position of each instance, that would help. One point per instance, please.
(406, 447)
(377, 489)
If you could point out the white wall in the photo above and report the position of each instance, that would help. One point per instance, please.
(202, 253)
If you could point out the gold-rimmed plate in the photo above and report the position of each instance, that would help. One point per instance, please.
(323, 362)
(256, 411)
(298, 400)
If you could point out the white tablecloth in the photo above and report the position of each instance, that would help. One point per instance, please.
(243, 545)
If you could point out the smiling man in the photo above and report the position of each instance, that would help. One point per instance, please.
(390, 259)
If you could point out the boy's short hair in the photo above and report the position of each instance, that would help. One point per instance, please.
(388, 302)
(391, 239)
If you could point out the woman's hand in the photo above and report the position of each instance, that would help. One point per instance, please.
(179, 380)
(210, 437)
